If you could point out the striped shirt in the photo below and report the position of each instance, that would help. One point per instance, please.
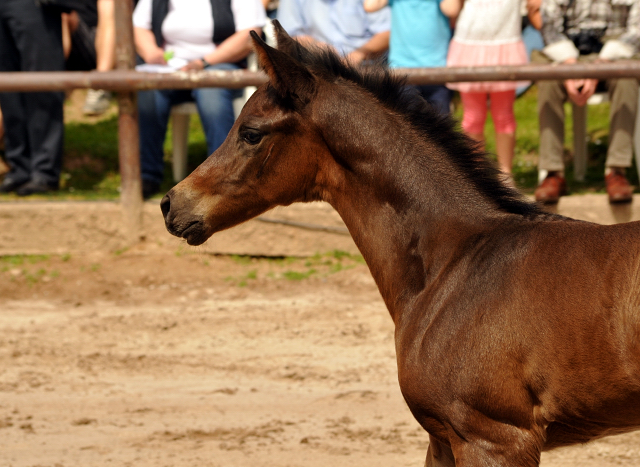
(617, 21)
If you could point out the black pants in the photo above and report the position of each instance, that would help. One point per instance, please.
(31, 40)
(83, 48)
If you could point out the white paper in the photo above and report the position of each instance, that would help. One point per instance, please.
(172, 65)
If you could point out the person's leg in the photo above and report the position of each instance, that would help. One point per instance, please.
(215, 106)
(43, 52)
(439, 96)
(15, 120)
(623, 94)
(101, 43)
(505, 126)
(35, 132)
(154, 108)
(98, 100)
(106, 36)
(82, 56)
(474, 107)
(551, 98)
(16, 150)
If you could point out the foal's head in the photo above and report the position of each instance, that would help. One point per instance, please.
(269, 158)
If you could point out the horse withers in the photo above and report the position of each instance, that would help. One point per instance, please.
(517, 330)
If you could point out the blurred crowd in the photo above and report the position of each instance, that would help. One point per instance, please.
(55, 35)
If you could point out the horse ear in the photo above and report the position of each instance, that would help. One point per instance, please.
(288, 77)
(285, 42)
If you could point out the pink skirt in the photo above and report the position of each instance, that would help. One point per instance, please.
(470, 55)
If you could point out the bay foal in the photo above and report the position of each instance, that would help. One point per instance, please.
(516, 331)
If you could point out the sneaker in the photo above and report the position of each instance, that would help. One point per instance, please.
(97, 102)
(551, 188)
(618, 187)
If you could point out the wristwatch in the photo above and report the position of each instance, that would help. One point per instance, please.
(205, 64)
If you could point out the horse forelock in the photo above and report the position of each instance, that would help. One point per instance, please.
(391, 90)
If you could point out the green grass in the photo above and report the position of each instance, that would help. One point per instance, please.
(90, 169)
(27, 268)
(19, 260)
(292, 268)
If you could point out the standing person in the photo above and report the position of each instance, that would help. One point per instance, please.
(342, 24)
(488, 33)
(420, 35)
(207, 35)
(31, 40)
(588, 31)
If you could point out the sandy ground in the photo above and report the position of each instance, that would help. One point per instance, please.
(185, 359)
(166, 356)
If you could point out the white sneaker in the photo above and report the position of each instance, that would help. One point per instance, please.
(97, 102)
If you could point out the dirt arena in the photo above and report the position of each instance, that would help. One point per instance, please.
(177, 357)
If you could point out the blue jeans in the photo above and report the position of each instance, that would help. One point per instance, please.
(215, 106)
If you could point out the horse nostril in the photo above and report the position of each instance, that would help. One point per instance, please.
(165, 205)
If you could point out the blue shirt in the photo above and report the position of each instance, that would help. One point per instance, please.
(342, 23)
(420, 34)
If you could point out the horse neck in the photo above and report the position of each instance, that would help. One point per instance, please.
(407, 208)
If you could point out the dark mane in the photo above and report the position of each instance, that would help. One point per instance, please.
(392, 91)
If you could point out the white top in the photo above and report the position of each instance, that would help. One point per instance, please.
(188, 27)
(489, 22)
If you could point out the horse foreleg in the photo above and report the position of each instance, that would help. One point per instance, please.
(470, 455)
(439, 454)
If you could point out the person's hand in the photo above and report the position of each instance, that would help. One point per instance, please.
(579, 90)
(451, 8)
(193, 65)
(356, 57)
(155, 56)
(374, 5)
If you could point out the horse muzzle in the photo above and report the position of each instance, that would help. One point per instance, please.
(181, 222)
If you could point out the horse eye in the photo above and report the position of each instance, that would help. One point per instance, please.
(252, 137)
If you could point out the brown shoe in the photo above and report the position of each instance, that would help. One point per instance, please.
(618, 188)
(551, 189)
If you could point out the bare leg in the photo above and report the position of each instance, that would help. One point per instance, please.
(105, 36)
(439, 454)
(97, 100)
(505, 147)
(66, 35)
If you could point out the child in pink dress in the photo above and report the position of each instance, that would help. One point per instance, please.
(488, 33)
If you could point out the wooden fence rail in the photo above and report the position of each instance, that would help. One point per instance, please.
(130, 80)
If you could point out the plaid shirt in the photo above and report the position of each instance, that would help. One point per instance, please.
(611, 19)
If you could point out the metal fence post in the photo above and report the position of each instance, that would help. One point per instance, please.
(128, 135)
